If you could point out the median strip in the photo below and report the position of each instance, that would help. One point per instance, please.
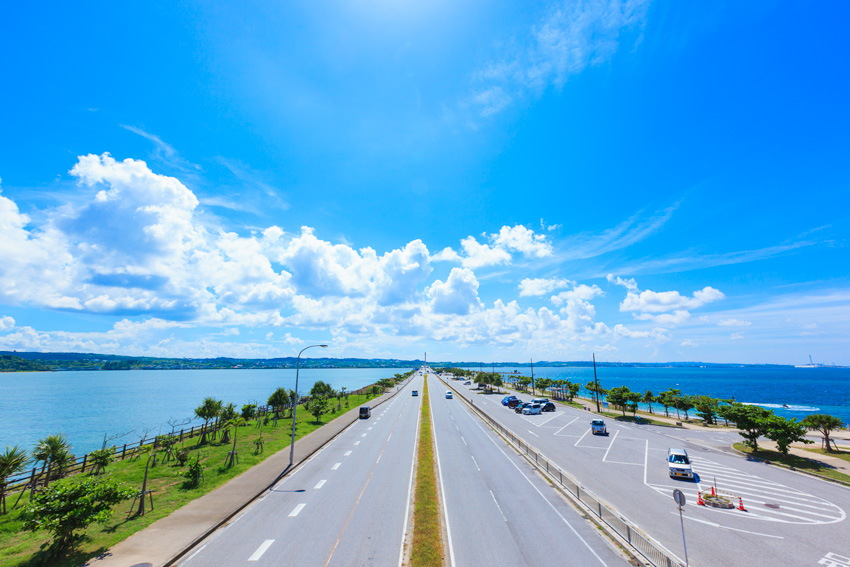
(427, 548)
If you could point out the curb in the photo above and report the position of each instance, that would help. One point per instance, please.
(194, 543)
(621, 542)
(793, 469)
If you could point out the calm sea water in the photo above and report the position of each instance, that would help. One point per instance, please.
(803, 390)
(87, 405)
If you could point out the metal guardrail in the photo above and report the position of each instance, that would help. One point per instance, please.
(647, 548)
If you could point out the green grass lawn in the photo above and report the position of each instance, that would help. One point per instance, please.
(22, 549)
(426, 547)
(635, 419)
(793, 461)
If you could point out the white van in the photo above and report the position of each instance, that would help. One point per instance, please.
(540, 401)
(679, 464)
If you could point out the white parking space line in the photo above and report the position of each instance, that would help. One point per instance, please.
(533, 433)
(260, 550)
(580, 438)
(611, 444)
(296, 510)
(567, 425)
(319, 484)
(336, 466)
(728, 528)
(347, 453)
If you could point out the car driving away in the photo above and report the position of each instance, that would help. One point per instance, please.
(448, 394)
(597, 427)
(415, 393)
(679, 464)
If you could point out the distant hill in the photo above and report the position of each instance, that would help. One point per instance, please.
(10, 363)
(93, 361)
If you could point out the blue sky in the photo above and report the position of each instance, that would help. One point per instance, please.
(646, 181)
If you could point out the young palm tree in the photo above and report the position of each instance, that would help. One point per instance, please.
(207, 411)
(234, 423)
(54, 451)
(12, 462)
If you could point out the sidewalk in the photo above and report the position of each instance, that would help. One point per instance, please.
(169, 538)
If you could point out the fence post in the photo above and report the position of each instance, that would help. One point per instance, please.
(123, 451)
(85, 458)
(181, 434)
(628, 533)
(599, 504)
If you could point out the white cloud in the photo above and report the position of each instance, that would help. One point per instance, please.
(649, 301)
(736, 336)
(524, 240)
(734, 323)
(446, 255)
(568, 39)
(458, 296)
(658, 334)
(668, 319)
(541, 286)
(689, 343)
(6, 322)
(479, 255)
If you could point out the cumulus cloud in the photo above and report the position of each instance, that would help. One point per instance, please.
(656, 306)
(6, 322)
(498, 247)
(541, 286)
(458, 296)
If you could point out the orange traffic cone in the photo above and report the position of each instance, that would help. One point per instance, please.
(712, 491)
(700, 501)
(741, 505)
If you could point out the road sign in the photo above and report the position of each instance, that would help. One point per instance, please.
(679, 497)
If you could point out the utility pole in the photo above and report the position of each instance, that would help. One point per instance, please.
(596, 381)
(533, 393)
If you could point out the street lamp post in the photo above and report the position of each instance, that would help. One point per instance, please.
(295, 404)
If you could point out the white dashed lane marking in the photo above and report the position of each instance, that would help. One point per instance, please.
(296, 510)
(262, 549)
(319, 484)
(336, 466)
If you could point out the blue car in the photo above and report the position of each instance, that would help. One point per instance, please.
(507, 399)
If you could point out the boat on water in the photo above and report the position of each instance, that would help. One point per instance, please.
(811, 364)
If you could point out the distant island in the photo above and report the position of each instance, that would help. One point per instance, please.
(65, 361)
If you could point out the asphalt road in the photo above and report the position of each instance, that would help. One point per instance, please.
(499, 510)
(346, 506)
(791, 519)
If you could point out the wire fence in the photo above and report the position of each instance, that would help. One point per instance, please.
(645, 546)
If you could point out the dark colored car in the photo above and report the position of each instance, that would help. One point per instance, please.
(506, 399)
(548, 406)
(365, 412)
(521, 406)
(513, 403)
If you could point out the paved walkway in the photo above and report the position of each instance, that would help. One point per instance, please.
(171, 537)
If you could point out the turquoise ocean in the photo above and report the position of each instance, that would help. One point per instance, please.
(87, 405)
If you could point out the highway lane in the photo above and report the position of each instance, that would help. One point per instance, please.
(345, 506)
(500, 511)
(791, 519)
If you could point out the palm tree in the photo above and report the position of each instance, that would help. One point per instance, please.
(12, 462)
(54, 450)
(208, 410)
(648, 398)
(234, 423)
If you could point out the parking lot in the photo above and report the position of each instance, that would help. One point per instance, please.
(789, 518)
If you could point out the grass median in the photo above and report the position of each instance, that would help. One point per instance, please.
(427, 548)
(171, 490)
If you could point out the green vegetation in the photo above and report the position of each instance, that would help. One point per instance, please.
(794, 462)
(823, 423)
(427, 547)
(208, 465)
(10, 363)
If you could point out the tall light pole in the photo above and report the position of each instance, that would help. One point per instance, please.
(295, 404)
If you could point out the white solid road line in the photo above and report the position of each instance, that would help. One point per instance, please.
(543, 496)
(728, 528)
(614, 438)
(533, 433)
(200, 549)
(260, 550)
(443, 489)
(296, 510)
(319, 484)
(336, 466)
(409, 491)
